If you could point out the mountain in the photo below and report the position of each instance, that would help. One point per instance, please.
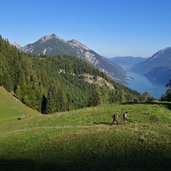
(157, 68)
(54, 84)
(127, 62)
(51, 45)
(159, 75)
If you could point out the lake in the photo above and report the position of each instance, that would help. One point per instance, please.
(141, 84)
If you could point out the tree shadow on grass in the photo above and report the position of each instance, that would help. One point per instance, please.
(27, 165)
(134, 158)
(90, 161)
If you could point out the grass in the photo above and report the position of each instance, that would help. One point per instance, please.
(84, 139)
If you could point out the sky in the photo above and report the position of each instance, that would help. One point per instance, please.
(109, 27)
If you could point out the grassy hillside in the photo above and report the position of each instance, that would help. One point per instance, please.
(11, 107)
(85, 139)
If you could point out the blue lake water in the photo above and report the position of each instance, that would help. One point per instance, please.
(141, 84)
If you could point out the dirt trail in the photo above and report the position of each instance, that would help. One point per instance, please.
(53, 127)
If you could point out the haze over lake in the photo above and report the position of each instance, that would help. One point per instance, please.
(141, 84)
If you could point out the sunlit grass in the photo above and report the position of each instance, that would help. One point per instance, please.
(85, 139)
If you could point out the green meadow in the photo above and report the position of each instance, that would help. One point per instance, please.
(84, 139)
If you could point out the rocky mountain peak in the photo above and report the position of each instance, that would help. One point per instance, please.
(48, 37)
(78, 44)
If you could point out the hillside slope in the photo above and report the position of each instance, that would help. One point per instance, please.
(85, 140)
(11, 108)
(60, 83)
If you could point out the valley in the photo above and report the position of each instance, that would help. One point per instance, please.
(56, 114)
(147, 74)
(85, 85)
(151, 74)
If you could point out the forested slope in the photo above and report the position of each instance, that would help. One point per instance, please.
(56, 84)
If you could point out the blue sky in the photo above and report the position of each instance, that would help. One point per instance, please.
(110, 27)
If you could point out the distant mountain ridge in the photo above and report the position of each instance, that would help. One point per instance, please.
(157, 68)
(51, 45)
(127, 62)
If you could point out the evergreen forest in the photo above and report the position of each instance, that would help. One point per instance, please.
(55, 84)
